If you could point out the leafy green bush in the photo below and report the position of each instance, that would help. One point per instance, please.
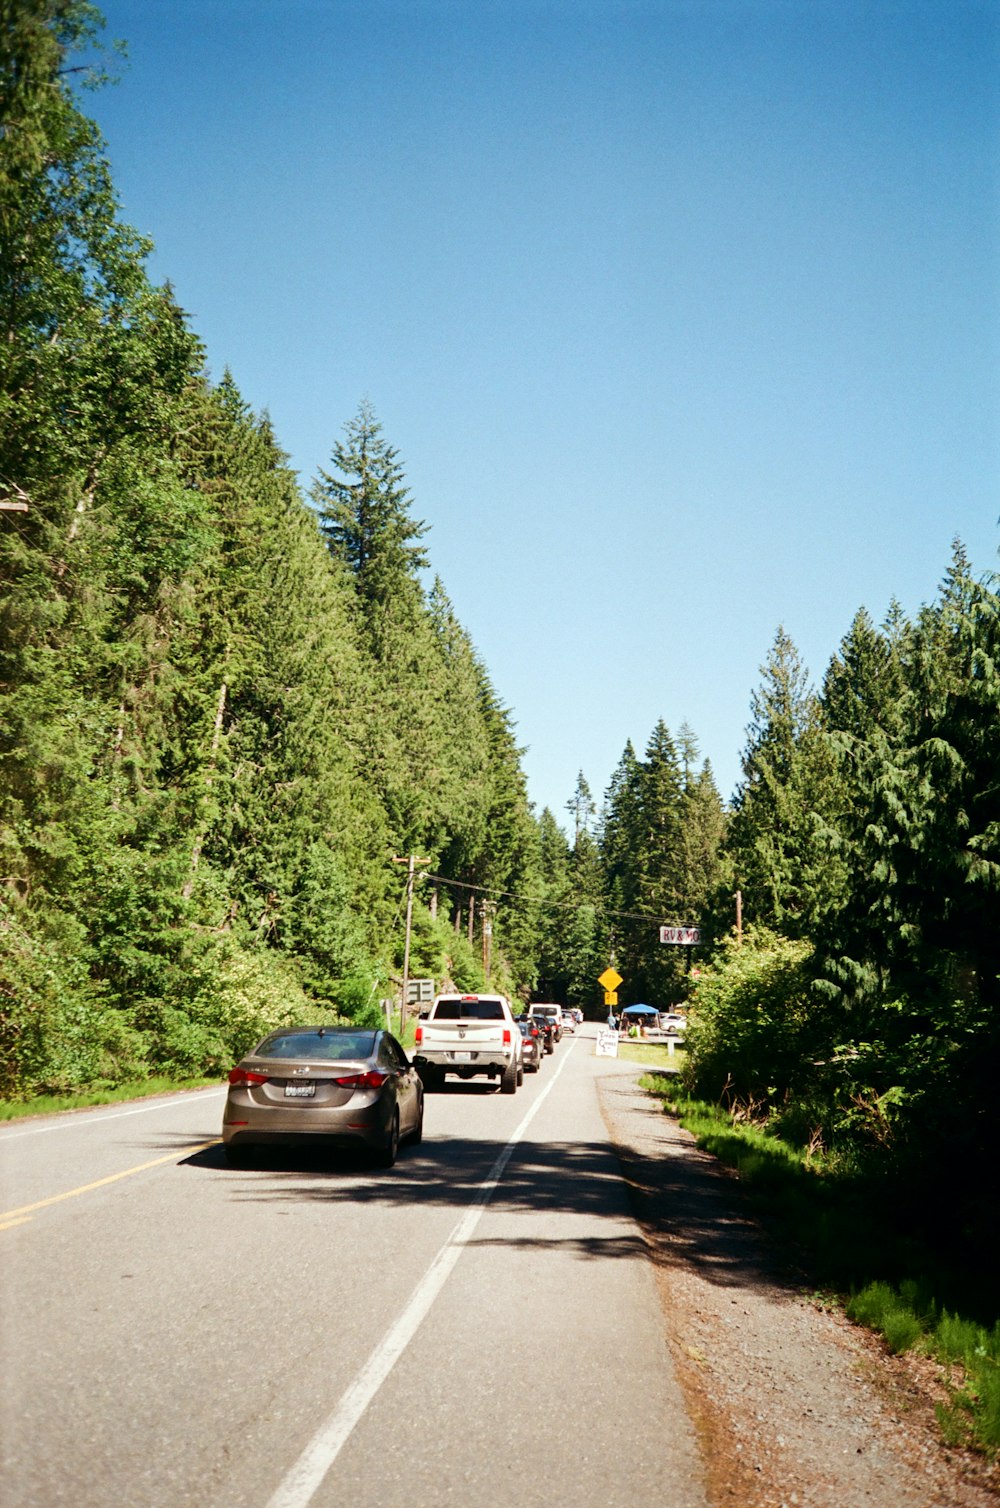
(358, 1001)
(753, 1023)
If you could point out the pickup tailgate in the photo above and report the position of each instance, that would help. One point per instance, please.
(464, 1041)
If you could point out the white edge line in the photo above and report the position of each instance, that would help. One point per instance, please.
(301, 1482)
(73, 1120)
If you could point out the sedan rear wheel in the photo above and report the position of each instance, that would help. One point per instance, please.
(417, 1134)
(389, 1153)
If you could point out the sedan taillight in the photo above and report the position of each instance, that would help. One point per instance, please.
(242, 1077)
(374, 1079)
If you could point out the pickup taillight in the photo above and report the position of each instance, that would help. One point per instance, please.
(418, 1036)
(506, 1036)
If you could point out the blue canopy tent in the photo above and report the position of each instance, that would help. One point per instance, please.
(635, 1019)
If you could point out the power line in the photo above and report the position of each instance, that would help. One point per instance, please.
(538, 900)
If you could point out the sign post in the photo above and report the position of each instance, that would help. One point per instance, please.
(607, 1040)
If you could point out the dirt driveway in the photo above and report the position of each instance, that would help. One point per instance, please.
(793, 1404)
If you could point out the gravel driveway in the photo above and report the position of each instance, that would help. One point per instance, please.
(792, 1403)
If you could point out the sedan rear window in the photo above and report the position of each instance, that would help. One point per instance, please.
(334, 1046)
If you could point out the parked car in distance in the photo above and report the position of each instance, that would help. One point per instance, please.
(672, 1023)
(324, 1085)
(533, 1044)
(568, 1021)
(553, 1012)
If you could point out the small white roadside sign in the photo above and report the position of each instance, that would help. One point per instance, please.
(688, 937)
(607, 1044)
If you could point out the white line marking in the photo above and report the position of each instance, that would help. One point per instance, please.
(302, 1481)
(73, 1120)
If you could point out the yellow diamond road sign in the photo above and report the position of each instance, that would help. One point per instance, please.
(610, 979)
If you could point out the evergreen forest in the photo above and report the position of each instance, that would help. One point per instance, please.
(229, 710)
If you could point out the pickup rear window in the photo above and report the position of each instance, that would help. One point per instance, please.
(468, 1010)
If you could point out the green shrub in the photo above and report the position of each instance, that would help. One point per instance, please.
(955, 1338)
(986, 1406)
(872, 1304)
(902, 1329)
(753, 1022)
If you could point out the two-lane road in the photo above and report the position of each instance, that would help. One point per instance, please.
(478, 1324)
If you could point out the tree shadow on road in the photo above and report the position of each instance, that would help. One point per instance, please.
(687, 1208)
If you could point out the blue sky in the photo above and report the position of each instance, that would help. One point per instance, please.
(683, 317)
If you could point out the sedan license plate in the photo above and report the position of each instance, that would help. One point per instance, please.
(300, 1091)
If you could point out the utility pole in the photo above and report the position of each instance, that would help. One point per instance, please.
(411, 861)
(739, 918)
(486, 912)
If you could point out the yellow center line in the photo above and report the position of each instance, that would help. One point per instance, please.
(99, 1183)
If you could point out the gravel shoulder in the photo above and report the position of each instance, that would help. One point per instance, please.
(792, 1403)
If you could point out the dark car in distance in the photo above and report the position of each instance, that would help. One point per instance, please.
(533, 1038)
(335, 1086)
(547, 1026)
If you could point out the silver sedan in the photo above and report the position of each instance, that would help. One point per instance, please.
(324, 1085)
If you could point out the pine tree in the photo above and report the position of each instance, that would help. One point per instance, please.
(555, 889)
(780, 839)
(365, 514)
(581, 807)
(701, 869)
(864, 682)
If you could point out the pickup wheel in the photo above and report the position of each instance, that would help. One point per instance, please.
(508, 1079)
(433, 1079)
(520, 1074)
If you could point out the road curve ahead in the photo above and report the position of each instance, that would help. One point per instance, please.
(477, 1325)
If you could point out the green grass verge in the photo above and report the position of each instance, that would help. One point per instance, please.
(51, 1104)
(651, 1054)
(842, 1236)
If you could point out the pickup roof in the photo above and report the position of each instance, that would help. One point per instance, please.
(469, 1035)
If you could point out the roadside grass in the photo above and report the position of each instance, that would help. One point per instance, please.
(51, 1104)
(651, 1054)
(843, 1239)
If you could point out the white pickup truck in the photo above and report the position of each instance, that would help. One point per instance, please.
(469, 1035)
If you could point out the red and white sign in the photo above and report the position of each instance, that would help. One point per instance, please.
(687, 936)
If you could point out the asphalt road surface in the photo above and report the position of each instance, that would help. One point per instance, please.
(478, 1325)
